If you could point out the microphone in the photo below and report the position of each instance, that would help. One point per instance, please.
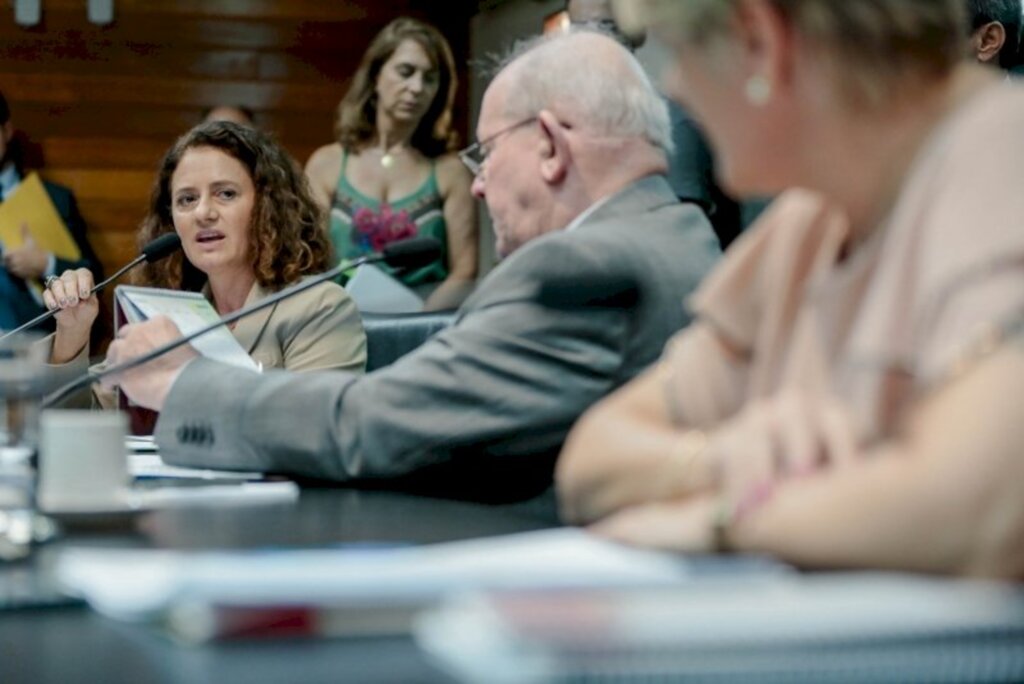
(410, 253)
(154, 251)
(413, 252)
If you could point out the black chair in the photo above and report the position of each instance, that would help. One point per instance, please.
(391, 336)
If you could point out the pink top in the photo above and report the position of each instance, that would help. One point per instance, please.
(930, 291)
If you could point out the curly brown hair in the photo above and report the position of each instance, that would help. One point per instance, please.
(356, 127)
(286, 235)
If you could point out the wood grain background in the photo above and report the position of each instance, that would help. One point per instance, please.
(100, 104)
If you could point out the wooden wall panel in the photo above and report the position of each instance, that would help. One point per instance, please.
(100, 104)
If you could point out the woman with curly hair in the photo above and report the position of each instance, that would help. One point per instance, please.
(248, 227)
(392, 172)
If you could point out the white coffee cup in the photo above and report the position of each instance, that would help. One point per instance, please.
(83, 463)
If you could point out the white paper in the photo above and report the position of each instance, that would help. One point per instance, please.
(129, 499)
(190, 311)
(375, 291)
(135, 584)
(242, 493)
(150, 465)
(828, 624)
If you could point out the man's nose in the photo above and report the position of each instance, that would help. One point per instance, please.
(477, 188)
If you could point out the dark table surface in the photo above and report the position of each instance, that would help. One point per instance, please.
(72, 644)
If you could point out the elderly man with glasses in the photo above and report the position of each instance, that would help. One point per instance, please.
(600, 254)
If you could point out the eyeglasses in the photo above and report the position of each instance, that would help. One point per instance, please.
(476, 154)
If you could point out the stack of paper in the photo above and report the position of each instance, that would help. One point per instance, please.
(812, 628)
(338, 584)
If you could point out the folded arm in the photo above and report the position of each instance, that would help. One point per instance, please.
(633, 447)
(942, 496)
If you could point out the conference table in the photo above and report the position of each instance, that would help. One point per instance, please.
(70, 643)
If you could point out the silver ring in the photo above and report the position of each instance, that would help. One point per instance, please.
(50, 280)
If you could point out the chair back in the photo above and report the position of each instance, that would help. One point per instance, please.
(391, 336)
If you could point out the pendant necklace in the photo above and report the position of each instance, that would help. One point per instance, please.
(387, 159)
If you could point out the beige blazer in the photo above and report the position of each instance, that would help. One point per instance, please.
(319, 329)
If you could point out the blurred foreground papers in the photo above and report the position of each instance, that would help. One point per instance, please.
(153, 584)
(864, 627)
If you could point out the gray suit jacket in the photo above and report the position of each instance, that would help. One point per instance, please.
(488, 401)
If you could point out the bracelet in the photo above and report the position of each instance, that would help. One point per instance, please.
(720, 524)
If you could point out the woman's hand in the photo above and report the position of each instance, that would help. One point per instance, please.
(790, 435)
(76, 311)
(682, 525)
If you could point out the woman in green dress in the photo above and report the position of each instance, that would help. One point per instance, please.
(392, 173)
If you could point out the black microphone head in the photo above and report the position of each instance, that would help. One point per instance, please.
(412, 253)
(163, 246)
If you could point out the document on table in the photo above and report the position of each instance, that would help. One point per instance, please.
(149, 584)
(190, 311)
(851, 627)
(150, 466)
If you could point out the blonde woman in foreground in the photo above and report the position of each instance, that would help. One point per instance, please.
(849, 395)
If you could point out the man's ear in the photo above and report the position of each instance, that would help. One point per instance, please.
(989, 41)
(555, 153)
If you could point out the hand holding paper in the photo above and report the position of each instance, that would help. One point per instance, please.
(149, 384)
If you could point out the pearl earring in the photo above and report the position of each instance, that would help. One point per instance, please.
(758, 90)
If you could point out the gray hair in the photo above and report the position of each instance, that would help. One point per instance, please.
(610, 99)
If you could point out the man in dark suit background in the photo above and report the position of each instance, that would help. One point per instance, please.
(691, 165)
(571, 164)
(28, 262)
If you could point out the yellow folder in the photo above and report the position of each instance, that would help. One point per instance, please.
(30, 205)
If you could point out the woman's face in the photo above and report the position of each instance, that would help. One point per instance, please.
(407, 84)
(212, 198)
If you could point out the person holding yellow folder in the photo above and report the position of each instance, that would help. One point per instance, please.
(42, 232)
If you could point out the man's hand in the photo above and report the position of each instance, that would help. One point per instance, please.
(149, 384)
(29, 261)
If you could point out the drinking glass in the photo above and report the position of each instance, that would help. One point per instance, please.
(23, 381)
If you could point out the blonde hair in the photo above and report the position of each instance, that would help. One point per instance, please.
(876, 46)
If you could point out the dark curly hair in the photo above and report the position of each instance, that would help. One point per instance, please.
(286, 235)
(356, 127)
